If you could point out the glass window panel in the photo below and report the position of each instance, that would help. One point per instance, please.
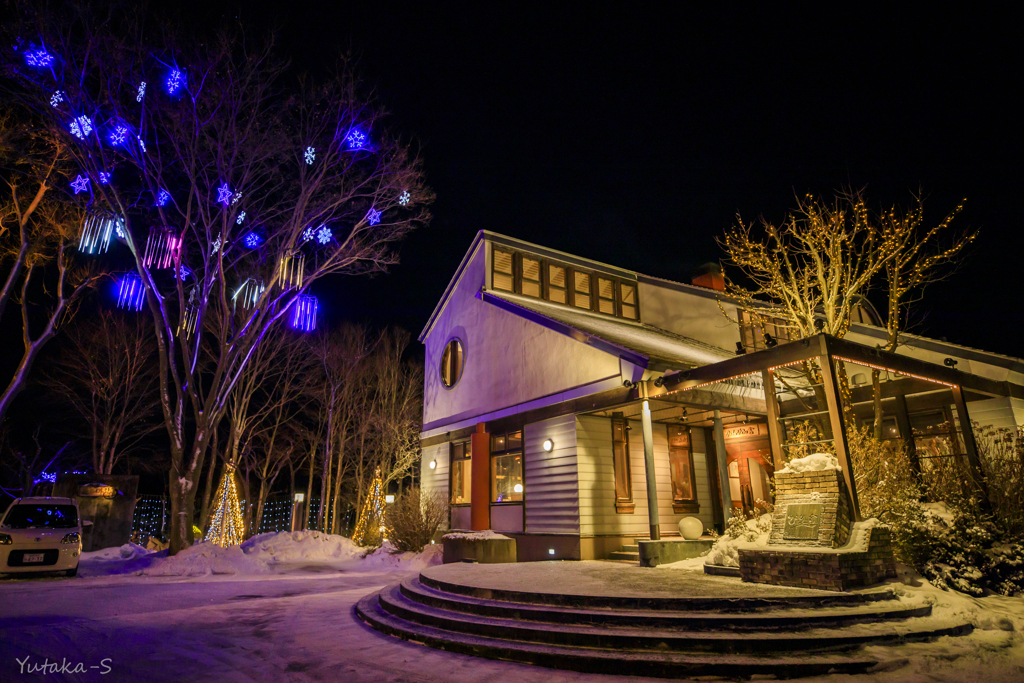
(582, 286)
(556, 295)
(606, 306)
(628, 295)
(531, 269)
(515, 441)
(498, 443)
(462, 480)
(451, 363)
(531, 288)
(682, 479)
(629, 312)
(605, 288)
(507, 478)
(503, 270)
(556, 276)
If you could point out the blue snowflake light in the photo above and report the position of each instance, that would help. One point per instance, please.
(304, 314)
(142, 92)
(216, 245)
(56, 98)
(324, 234)
(104, 177)
(224, 194)
(39, 59)
(307, 234)
(142, 144)
(404, 198)
(130, 292)
(310, 155)
(356, 139)
(373, 216)
(80, 184)
(162, 197)
(175, 80)
(252, 240)
(236, 198)
(81, 127)
(241, 217)
(119, 135)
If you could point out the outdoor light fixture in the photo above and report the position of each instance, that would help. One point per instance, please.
(740, 350)
(518, 488)
(551, 551)
(660, 382)
(548, 445)
(390, 498)
(770, 341)
(433, 464)
(949, 363)
(299, 497)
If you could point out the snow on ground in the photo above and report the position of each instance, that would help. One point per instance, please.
(475, 535)
(284, 552)
(815, 462)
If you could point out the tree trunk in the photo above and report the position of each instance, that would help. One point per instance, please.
(261, 503)
(324, 483)
(182, 495)
(876, 397)
(204, 517)
(309, 489)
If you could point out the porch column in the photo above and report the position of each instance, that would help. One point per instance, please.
(774, 425)
(970, 445)
(652, 486)
(480, 486)
(907, 434)
(835, 414)
(723, 466)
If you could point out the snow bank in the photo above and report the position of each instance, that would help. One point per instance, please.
(475, 535)
(286, 552)
(816, 462)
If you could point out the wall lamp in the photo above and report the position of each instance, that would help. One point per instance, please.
(660, 382)
(949, 363)
(548, 445)
(433, 464)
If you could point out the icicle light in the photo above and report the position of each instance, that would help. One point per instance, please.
(189, 320)
(130, 292)
(97, 229)
(304, 313)
(290, 270)
(227, 527)
(370, 525)
(161, 247)
(248, 293)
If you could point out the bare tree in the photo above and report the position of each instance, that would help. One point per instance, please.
(38, 230)
(106, 373)
(258, 183)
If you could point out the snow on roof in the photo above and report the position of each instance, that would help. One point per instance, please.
(648, 341)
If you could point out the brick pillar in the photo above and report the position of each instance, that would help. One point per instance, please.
(480, 489)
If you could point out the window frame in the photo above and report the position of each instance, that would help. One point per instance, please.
(683, 505)
(505, 452)
(441, 364)
(453, 458)
(624, 505)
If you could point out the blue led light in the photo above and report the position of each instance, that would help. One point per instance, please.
(81, 127)
(162, 197)
(56, 98)
(130, 292)
(224, 194)
(104, 177)
(324, 234)
(404, 198)
(142, 92)
(304, 313)
(356, 139)
(175, 80)
(252, 240)
(39, 58)
(80, 184)
(310, 155)
(373, 216)
(119, 135)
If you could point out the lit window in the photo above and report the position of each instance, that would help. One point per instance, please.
(605, 296)
(628, 301)
(531, 277)
(452, 359)
(556, 284)
(503, 271)
(620, 463)
(462, 473)
(581, 296)
(507, 468)
(680, 456)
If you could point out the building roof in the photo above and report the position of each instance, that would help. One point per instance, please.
(639, 343)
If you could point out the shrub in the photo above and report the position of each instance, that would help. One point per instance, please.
(413, 519)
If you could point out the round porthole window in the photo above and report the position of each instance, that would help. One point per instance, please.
(451, 363)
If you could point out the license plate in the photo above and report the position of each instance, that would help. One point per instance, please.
(32, 557)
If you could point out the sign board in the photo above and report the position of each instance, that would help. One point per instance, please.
(96, 490)
(802, 522)
(745, 430)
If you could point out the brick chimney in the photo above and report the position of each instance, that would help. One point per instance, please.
(710, 275)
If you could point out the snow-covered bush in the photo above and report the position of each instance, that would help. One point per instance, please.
(749, 526)
(414, 518)
(1002, 458)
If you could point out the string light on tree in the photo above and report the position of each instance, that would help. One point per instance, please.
(80, 184)
(224, 194)
(130, 292)
(81, 127)
(216, 244)
(175, 80)
(97, 229)
(373, 216)
(227, 527)
(247, 294)
(404, 198)
(307, 234)
(142, 144)
(324, 234)
(56, 98)
(291, 270)
(161, 248)
(370, 525)
(356, 139)
(162, 197)
(241, 217)
(104, 177)
(310, 155)
(237, 198)
(119, 135)
(142, 92)
(304, 313)
(252, 239)
(39, 58)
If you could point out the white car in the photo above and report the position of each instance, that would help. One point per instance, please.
(41, 535)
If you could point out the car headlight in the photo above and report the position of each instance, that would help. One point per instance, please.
(71, 538)
(5, 539)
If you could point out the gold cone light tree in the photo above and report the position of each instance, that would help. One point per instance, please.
(227, 527)
(370, 525)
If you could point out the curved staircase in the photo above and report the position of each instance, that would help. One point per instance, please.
(800, 635)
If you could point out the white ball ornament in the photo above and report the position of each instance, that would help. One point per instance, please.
(691, 528)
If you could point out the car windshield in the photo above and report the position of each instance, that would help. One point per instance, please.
(29, 516)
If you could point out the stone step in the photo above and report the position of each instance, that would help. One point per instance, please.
(765, 620)
(624, 555)
(641, 638)
(681, 604)
(660, 664)
(635, 548)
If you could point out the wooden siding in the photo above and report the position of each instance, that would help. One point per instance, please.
(597, 480)
(551, 485)
(994, 412)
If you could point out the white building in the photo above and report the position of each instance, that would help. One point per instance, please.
(537, 364)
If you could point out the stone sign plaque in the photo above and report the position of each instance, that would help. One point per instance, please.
(802, 522)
